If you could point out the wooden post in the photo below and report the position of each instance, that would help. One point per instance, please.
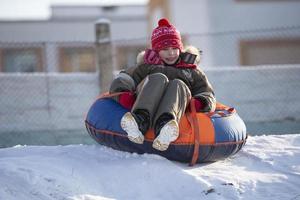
(104, 54)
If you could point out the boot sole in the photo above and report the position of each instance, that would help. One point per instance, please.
(130, 126)
(168, 134)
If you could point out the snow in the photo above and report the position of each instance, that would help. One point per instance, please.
(268, 167)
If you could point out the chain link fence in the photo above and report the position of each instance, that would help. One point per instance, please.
(47, 87)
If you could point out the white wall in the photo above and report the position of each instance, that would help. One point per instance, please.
(198, 18)
(134, 29)
(41, 102)
(58, 102)
(260, 94)
(193, 16)
(41, 109)
(41, 31)
(246, 15)
(77, 23)
(95, 11)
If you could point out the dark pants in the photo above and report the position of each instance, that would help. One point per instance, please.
(158, 96)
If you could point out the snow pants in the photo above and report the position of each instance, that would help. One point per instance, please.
(158, 96)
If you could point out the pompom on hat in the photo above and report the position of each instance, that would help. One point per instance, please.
(165, 35)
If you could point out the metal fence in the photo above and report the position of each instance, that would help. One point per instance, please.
(256, 71)
(270, 46)
(236, 48)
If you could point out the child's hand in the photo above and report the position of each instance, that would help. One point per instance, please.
(152, 57)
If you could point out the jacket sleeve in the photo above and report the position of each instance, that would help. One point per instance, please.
(128, 79)
(202, 90)
(123, 82)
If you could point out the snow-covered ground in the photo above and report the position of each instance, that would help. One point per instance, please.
(268, 167)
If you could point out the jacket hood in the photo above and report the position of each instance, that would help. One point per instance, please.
(188, 49)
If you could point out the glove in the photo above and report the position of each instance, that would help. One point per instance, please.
(199, 105)
(152, 57)
(126, 99)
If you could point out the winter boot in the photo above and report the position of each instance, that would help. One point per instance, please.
(168, 133)
(129, 124)
(142, 118)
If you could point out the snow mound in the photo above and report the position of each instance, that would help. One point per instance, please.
(268, 167)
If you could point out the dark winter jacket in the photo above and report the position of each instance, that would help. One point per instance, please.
(194, 78)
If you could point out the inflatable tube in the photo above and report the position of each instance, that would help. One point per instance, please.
(204, 137)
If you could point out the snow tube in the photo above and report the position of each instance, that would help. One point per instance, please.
(204, 137)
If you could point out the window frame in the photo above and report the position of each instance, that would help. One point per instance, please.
(61, 56)
(38, 49)
(245, 44)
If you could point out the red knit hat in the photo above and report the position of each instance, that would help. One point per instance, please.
(165, 35)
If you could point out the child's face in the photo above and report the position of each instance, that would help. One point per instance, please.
(169, 55)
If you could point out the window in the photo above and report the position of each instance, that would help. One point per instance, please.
(21, 60)
(270, 51)
(77, 59)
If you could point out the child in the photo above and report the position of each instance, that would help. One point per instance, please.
(163, 83)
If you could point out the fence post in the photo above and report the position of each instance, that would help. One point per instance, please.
(104, 54)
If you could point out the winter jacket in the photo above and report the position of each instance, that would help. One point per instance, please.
(194, 78)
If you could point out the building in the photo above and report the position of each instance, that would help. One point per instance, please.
(230, 33)
(236, 32)
(66, 41)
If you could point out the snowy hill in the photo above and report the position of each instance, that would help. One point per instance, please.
(268, 167)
